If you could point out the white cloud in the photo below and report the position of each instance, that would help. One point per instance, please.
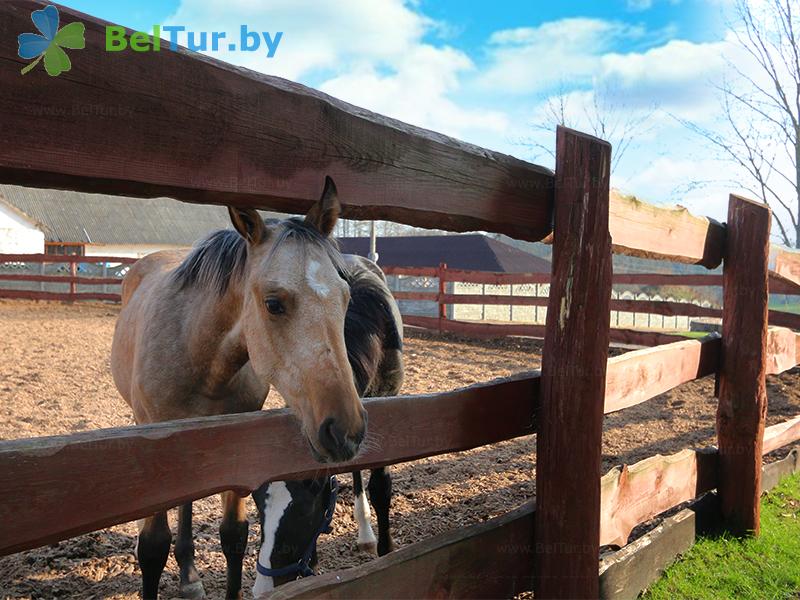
(533, 59)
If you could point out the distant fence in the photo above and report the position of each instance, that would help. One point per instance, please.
(62, 278)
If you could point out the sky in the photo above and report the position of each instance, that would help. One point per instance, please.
(485, 71)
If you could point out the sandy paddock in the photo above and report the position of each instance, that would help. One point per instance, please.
(55, 379)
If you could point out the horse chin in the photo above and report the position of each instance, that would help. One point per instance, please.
(318, 456)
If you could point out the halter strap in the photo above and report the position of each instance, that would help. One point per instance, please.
(302, 568)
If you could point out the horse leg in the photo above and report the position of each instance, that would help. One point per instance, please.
(152, 550)
(233, 536)
(366, 537)
(191, 586)
(380, 493)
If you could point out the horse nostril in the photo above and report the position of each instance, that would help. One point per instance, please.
(331, 436)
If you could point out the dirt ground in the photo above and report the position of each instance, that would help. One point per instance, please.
(55, 379)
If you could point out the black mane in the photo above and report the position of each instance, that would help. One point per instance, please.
(219, 258)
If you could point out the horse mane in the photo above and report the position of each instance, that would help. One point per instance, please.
(220, 257)
(370, 329)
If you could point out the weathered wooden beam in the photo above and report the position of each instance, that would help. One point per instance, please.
(410, 271)
(626, 573)
(186, 126)
(493, 559)
(632, 495)
(637, 376)
(781, 434)
(494, 299)
(423, 296)
(649, 231)
(661, 307)
(785, 264)
(62, 258)
(61, 279)
(76, 480)
(742, 386)
(574, 373)
(491, 278)
(784, 319)
(782, 345)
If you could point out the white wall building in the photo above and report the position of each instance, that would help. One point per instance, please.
(34, 220)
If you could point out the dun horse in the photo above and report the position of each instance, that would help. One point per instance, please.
(294, 513)
(207, 333)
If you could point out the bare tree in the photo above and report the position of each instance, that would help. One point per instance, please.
(760, 119)
(605, 114)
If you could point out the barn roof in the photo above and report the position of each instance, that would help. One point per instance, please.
(473, 252)
(99, 219)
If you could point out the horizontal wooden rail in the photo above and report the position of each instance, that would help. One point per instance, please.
(494, 299)
(61, 279)
(59, 258)
(784, 319)
(781, 434)
(58, 296)
(493, 559)
(221, 134)
(659, 307)
(419, 296)
(76, 480)
(783, 350)
(411, 271)
(637, 376)
(785, 263)
(645, 230)
(632, 495)
(490, 278)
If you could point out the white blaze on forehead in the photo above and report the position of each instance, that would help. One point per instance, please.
(277, 501)
(311, 278)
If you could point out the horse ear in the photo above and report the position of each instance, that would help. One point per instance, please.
(324, 214)
(249, 224)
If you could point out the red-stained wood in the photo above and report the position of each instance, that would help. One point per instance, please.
(492, 559)
(493, 299)
(632, 495)
(667, 279)
(61, 279)
(424, 296)
(58, 258)
(742, 386)
(573, 373)
(670, 309)
(635, 377)
(186, 126)
(781, 434)
(784, 319)
(440, 274)
(649, 231)
(781, 347)
(781, 285)
(491, 278)
(76, 480)
(58, 296)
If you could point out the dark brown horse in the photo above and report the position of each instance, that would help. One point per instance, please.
(207, 332)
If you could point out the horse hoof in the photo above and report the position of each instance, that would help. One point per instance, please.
(368, 547)
(193, 590)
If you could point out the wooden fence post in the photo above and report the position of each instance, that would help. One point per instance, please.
(570, 426)
(441, 273)
(73, 272)
(742, 387)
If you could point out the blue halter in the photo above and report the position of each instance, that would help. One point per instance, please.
(302, 568)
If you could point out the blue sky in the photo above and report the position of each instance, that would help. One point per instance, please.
(486, 72)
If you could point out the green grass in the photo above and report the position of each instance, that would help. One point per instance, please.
(757, 568)
(692, 334)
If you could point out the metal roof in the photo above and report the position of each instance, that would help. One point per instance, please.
(66, 216)
(472, 252)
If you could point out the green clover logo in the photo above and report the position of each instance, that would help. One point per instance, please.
(49, 44)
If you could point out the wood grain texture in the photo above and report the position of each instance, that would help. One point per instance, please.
(784, 319)
(492, 299)
(490, 278)
(410, 271)
(57, 296)
(742, 385)
(186, 126)
(648, 231)
(493, 559)
(574, 373)
(61, 279)
(781, 346)
(76, 480)
(56, 258)
(781, 434)
(785, 263)
(637, 376)
(632, 495)
(669, 309)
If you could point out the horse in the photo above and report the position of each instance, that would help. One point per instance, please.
(294, 513)
(208, 331)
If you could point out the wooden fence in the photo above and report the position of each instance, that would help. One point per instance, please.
(240, 138)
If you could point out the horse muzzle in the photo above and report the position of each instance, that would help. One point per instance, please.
(338, 445)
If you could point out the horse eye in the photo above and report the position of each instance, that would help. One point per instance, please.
(274, 306)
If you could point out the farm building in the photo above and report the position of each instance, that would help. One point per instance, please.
(34, 220)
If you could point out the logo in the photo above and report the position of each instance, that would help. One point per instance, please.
(51, 43)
